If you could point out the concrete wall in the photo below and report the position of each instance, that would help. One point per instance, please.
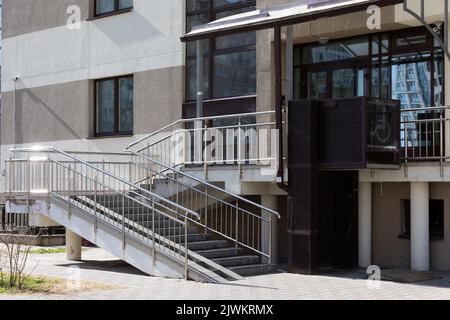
(388, 249)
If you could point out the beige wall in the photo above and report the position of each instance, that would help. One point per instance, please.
(66, 111)
(388, 250)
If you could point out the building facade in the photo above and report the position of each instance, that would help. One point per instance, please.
(123, 73)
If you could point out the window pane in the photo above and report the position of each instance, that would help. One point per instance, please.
(439, 80)
(105, 106)
(235, 74)
(196, 5)
(192, 22)
(191, 82)
(126, 104)
(238, 40)
(317, 85)
(411, 84)
(104, 6)
(343, 83)
(125, 4)
(336, 51)
(221, 3)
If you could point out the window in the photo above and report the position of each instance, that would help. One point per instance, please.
(229, 62)
(114, 106)
(436, 208)
(106, 7)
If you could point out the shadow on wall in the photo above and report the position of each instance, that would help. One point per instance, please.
(38, 106)
(137, 29)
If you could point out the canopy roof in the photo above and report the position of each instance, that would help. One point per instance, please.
(281, 15)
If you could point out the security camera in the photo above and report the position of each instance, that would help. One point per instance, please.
(15, 78)
(437, 26)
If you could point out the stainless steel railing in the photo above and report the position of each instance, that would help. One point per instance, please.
(135, 211)
(423, 134)
(243, 139)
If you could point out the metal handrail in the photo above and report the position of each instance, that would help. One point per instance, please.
(245, 222)
(73, 185)
(431, 147)
(131, 185)
(212, 186)
(181, 121)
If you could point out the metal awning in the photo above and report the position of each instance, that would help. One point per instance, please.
(281, 15)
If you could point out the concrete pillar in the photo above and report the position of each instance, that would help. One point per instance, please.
(365, 224)
(73, 246)
(420, 232)
(270, 202)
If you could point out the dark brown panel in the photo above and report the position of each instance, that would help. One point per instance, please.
(221, 107)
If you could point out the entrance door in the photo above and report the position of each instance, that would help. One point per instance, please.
(334, 83)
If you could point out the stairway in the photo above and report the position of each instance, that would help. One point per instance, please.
(222, 252)
(158, 218)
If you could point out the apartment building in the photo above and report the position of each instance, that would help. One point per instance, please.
(181, 124)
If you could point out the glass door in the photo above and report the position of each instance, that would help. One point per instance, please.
(317, 85)
(344, 84)
(335, 83)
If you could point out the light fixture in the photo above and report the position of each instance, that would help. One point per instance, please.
(322, 40)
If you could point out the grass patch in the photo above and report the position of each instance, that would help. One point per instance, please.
(30, 285)
(47, 251)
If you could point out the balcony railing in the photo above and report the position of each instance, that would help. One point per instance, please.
(423, 134)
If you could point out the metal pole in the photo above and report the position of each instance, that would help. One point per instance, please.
(199, 79)
(186, 247)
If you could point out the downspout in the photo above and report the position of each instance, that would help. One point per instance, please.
(15, 79)
(279, 108)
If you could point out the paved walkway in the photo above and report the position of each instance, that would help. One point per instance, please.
(101, 267)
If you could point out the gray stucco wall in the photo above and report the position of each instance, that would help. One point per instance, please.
(25, 16)
(66, 111)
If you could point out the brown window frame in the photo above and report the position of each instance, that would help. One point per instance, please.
(116, 131)
(212, 11)
(115, 11)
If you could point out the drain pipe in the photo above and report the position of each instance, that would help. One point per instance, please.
(279, 108)
(15, 79)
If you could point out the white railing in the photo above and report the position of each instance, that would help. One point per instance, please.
(423, 134)
(242, 139)
(150, 218)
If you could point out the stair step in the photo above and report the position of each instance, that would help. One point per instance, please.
(207, 245)
(193, 237)
(251, 270)
(175, 231)
(220, 253)
(237, 261)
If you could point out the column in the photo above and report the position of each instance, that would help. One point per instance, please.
(365, 224)
(420, 236)
(73, 246)
(270, 202)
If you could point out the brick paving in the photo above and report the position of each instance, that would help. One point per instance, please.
(99, 266)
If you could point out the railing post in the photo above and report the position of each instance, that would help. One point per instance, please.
(153, 231)
(130, 172)
(29, 183)
(239, 148)
(206, 210)
(124, 243)
(270, 239)
(95, 204)
(205, 165)
(186, 256)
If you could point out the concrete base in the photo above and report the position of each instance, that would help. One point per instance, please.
(73, 245)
